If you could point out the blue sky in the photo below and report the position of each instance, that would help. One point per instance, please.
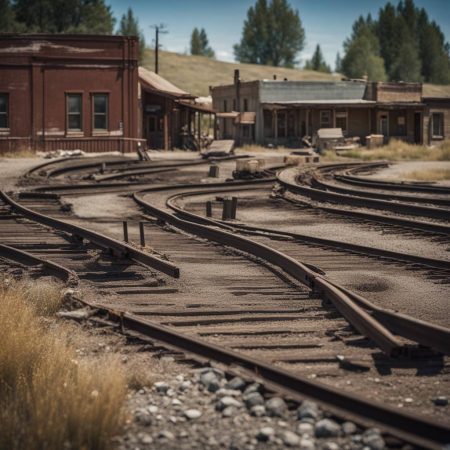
(327, 22)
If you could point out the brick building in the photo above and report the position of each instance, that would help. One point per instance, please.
(282, 112)
(68, 92)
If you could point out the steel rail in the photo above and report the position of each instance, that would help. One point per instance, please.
(419, 331)
(379, 195)
(116, 247)
(354, 199)
(370, 251)
(355, 315)
(412, 428)
(316, 194)
(392, 185)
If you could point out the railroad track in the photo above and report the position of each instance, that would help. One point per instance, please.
(300, 183)
(167, 329)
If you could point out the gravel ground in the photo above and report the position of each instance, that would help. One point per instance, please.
(12, 168)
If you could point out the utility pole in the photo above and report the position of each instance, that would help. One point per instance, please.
(158, 29)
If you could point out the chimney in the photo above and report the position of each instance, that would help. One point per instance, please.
(237, 85)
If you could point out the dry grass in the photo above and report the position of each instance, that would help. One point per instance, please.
(49, 399)
(428, 175)
(399, 150)
(20, 152)
(195, 74)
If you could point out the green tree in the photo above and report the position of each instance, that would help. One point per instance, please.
(129, 26)
(196, 43)
(272, 34)
(317, 62)
(386, 26)
(200, 44)
(206, 49)
(362, 53)
(8, 22)
(64, 16)
(338, 63)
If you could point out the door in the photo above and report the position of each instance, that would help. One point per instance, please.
(417, 128)
(153, 131)
(383, 125)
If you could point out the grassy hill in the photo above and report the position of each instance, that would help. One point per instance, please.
(195, 74)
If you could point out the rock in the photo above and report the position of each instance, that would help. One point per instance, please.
(327, 428)
(210, 381)
(236, 384)
(308, 409)
(253, 399)
(258, 410)
(305, 429)
(229, 411)
(145, 439)
(349, 428)
(143, 417)
(440, 401)
(152, 409)
(79, 314)
(254, 387)
(276, 407)
(290, 439)
(185, 385)
(307, 444)
(330, 446)
(192, 414)
(265, 434)
(176, 402)
(373, 440)
(225, 402)
(222, 392)
(161, 386)
(165, 434)
(217, 372)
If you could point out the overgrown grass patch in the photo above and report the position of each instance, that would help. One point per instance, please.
(398, 150)
(49, 398)
(433, 174)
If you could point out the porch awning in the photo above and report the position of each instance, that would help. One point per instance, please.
(227, 115)
(245, 118)
(321, 103)
(196, 107)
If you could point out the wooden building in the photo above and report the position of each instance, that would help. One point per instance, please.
(170, 117)
(68, 92)
(283, 112)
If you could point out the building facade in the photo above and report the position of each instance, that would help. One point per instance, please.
(283, 112)
(68, 92)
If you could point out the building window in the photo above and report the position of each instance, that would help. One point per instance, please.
(437, 123)
(325, 119)
(4, 110)
(342, 121)
(74, 108)
(100, 111)
(246, 131)
(225, 106)
(245, 104)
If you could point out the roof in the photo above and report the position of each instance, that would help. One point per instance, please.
(246, 118)
(196, 106)
(228, 115)
(322, 102)
(311, 91)
(154, 82)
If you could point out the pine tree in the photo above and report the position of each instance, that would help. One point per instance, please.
(8, 22)
(196, 43)
(362, 53)
(338, 63)
(129, 26)
(386, 30)
(317, 62)
(64, 16)
(272, 35)
(206, 49)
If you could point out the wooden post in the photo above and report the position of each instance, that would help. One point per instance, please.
(208, 209)
(233, 207)
(226, 209)
(125, 230)
(199, 129)
(213, 171)
(275, 118)
(141, 233)
(307, 123)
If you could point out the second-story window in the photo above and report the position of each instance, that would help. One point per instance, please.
(74, 112)
(4, 111)
(100, 111)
